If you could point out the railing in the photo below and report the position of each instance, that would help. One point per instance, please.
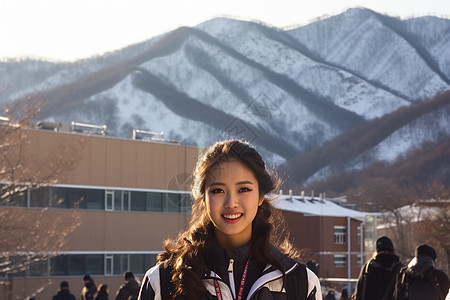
(89, 128)
(152, 136)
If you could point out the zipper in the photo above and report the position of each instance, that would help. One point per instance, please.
(231, 278)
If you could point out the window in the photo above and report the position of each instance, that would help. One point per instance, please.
(125, 197)
(76, 264)
(339, 234)
(138, 201)
(40, 197)
(109, 200)
(94, 264)
(140, 263)
(59, 265)
(176, 202)
(155, 201)
(122, 200)
(95, 199)
(340, 261)
(39, 269)
(121, 263)
(19, 199)
(359, 263)
(78, 196)
(104, 199)
(109, 264)
(358, 234)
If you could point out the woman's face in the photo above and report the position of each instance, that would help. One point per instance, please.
(232, 199)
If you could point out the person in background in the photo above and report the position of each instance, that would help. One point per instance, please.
(344, 295)
(231, 248)
(64, 293)
(89, 289)
(313, 266)
(102, 292)
(376, 280)
(128, 290)
(420, 279)
(330, 295)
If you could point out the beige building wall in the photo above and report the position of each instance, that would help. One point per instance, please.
(107, 162)
(113, 162)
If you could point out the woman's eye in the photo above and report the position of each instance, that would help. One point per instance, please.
(244, 189)
(216, 191)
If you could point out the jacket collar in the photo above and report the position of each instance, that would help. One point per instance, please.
(271, 276)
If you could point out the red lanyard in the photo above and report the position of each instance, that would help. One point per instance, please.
(241, 286)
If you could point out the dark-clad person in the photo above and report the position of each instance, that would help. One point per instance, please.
(376, 280)
(344, 295)
(64, 293)
(330, 295)
(128, 290)
(89, 289)
(102, 292)
(420, 279)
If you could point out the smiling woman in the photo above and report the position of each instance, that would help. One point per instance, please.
(232, 248)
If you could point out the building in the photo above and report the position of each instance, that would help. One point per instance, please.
(332, 233)
(132, 194)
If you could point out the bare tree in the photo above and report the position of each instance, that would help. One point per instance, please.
(435, 228)
(400, 225)
(427, 220)
(29, 235)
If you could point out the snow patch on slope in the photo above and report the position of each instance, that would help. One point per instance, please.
(427, 128)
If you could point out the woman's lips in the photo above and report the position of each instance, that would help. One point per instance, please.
(232, 217)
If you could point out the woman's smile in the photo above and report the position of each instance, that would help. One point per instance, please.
(232, 217)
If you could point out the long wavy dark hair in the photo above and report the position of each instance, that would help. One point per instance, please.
(187, 254)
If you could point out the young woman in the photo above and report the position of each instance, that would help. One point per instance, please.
(234, 247)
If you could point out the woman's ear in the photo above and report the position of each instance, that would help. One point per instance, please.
(261, 200)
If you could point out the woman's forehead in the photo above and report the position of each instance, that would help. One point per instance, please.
(231, 170)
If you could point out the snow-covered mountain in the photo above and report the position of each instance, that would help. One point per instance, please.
(286, 91)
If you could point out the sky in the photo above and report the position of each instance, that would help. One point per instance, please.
(67, 30)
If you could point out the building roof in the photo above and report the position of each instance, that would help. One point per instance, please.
(317, 206)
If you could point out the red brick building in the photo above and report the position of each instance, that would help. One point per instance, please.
(332, 233)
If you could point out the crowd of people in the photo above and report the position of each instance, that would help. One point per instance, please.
(127, 291)
(384, 277)
(236, 247)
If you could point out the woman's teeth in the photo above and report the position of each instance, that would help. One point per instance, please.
(232, 216)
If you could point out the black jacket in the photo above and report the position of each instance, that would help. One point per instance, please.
(376, 280)
(89, 291)
(263, 282)
(422, 268)
(64, 294)
(131, 288)
(102, 295)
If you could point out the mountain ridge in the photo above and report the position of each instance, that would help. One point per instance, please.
(289, 92)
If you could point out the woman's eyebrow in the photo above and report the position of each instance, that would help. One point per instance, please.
(244, 182)
(215, 183)
(237, 183)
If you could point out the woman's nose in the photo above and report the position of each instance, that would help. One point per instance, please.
(231, 200)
